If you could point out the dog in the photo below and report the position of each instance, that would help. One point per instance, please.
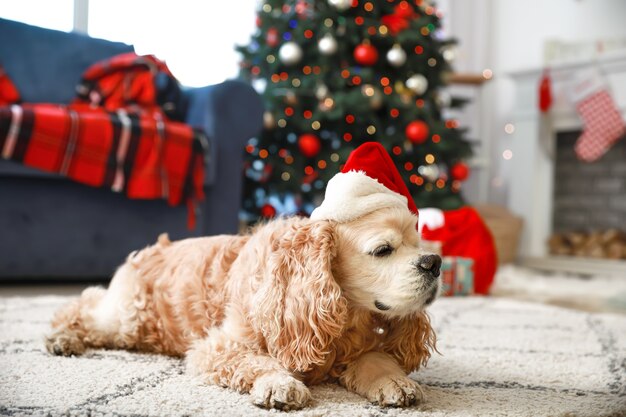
(296, 302)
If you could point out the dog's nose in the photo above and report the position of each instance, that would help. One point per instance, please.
(430, 263)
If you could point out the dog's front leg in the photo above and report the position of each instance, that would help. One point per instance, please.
(379, 378)
(222, 361)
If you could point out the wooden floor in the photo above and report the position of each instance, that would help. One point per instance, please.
(36, 290)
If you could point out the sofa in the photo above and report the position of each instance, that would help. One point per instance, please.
(52, 228)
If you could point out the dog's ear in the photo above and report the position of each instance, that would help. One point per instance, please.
(411, 340)
(300, 308)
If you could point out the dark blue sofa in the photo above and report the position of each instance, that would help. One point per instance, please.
(53, 228)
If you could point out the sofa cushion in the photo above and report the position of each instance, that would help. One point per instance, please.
(47, 64)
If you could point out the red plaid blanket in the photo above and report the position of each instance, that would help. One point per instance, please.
(8, 92)
(132, 149)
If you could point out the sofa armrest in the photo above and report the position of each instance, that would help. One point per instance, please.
(232, 108)
(229, 113)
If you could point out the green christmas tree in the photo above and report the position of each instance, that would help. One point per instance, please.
(335, 74)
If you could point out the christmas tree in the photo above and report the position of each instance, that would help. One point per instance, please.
(337, 73)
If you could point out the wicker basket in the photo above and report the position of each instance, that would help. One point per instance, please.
(506, 229)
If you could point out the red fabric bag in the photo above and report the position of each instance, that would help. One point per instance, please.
(465, 235)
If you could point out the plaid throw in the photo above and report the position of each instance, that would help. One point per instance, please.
(130, 148)
(141, 83)
(8, 92)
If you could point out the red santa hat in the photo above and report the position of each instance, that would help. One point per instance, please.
(369, 181)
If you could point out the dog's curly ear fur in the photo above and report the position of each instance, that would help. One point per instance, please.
(411, 340)
(300, 308)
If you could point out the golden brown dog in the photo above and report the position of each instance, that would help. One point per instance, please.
(294, 303)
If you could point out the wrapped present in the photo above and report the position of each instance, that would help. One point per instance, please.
(457, 276)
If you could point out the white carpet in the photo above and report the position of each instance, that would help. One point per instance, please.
(598, 293)
(499, 358)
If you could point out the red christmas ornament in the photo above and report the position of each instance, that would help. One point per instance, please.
(405, 10)
(304, 9)
(417, 131)
(459, 171)
(272, 38)
(309, 145)
(401, 18)
(268, 211)
(366, 54)
(259, 21)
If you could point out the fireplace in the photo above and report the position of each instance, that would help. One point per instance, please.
(538, 174)
(589, 203)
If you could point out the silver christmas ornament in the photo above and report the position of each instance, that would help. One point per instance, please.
(290, 53)
(443, 99)
(417, 83)
(396, 56)
(321, 91)
(449, 54)
(327, 45)
(340, 5)
(430, 172)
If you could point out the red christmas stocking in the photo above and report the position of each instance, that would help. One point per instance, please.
(603, 122)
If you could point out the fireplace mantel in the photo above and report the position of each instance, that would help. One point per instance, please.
(530, 172)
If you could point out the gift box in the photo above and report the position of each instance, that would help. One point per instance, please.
(457, 276)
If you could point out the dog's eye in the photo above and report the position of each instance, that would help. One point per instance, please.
(381, 251)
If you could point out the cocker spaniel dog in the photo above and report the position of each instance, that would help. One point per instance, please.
(337, 297)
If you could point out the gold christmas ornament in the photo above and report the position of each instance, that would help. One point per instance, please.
(374, 95)
(291, 98)
(269, 121)
(327, 104)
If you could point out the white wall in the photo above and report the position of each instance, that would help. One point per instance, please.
(508, 36)
(522, 27)
(49, 14)
(195, 38)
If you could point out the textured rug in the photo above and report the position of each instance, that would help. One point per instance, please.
(498, 357)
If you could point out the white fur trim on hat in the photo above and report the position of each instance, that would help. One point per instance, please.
(353, 194)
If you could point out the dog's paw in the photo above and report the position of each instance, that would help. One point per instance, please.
(396, 391)
(64, 343)
(280, 391)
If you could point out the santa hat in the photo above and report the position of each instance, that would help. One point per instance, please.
(369, 181)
